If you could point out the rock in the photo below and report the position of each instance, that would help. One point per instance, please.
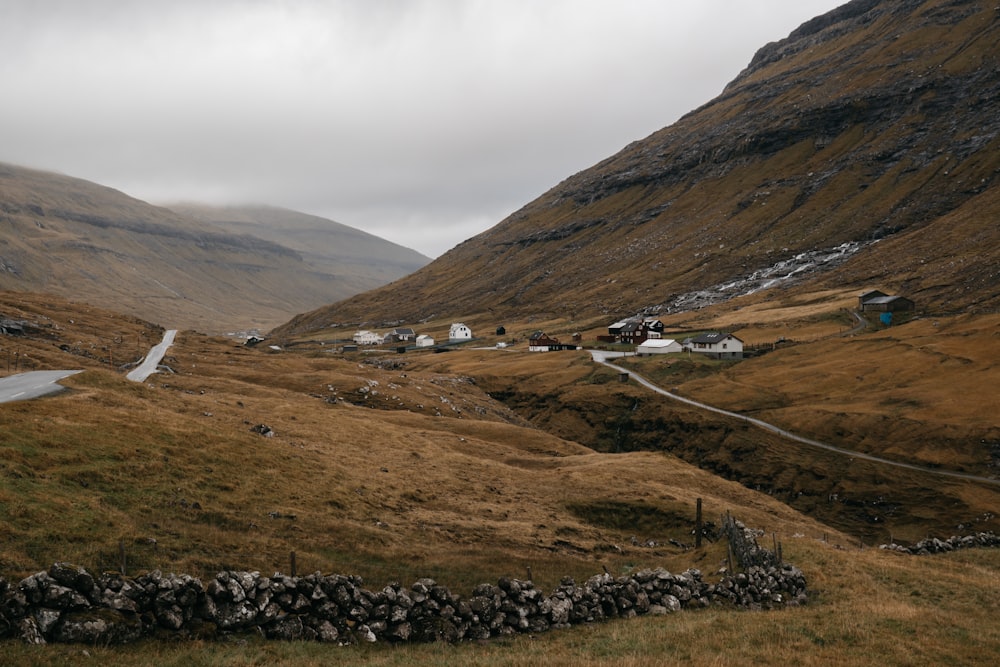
(326, 632)
(98, 626)
(29, 631)
(399, 632)
(72, 576)
(287, 628)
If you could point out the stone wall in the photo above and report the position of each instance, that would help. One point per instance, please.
(933, 545)
(69, 604)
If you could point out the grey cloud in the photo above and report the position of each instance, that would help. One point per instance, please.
(382, 115)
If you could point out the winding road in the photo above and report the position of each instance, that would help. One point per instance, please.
(602, 357)
(153, 359)
(33, 384)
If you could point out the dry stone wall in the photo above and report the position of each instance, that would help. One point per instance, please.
(68, 604)
(933, 545)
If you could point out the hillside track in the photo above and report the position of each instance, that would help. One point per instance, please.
(602, 358)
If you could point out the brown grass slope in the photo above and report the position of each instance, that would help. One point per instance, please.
(83, 241)
(387, 469)
(397, 471)
(872, 122)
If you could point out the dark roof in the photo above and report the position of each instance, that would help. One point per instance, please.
(712, 337)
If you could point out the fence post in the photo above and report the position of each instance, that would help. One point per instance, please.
(293, 563)
(697, 524)
(121, 556)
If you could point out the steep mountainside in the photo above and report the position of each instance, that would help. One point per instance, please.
(79, 240)
(875, 125)
(358, 261)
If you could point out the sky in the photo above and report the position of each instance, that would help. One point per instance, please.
(424, 122)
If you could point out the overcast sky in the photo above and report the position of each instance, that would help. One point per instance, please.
(422, 121)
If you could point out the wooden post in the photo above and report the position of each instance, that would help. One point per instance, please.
(697, 524)
(293, 563)
(121, 556)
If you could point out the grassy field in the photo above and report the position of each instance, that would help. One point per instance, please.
(868, 607)
(395, 467)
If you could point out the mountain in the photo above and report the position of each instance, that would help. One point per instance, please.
(358, 261)
(76, 239)
(869, 134)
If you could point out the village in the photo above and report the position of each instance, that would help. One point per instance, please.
(644, 334)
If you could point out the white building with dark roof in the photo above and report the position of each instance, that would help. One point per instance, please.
(718, 344)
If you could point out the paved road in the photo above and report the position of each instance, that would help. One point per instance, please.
(23, 386)
(153, 359)
(602, 358)
(860, 324)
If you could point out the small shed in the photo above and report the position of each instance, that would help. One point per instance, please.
(501, 330)
(659, 346)
(423, 340)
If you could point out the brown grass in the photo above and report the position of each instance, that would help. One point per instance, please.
(382, 486)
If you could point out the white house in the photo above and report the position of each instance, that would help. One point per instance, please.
(459, 332)
(423, 340)
(659, 346)
(367, 338)
(720, 345)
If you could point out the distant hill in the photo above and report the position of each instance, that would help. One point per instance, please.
(873, 129)
(87, 242)
(357, 260)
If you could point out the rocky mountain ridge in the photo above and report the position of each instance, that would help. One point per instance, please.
(875, 121)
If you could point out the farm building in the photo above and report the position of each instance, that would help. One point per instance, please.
(400, 335)
(423, 340)
(870, 294)
(635, 330)
(720, 345)
(367, 338)
(888, 304)
(459, 332)
(542, 342)
(659, 346)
